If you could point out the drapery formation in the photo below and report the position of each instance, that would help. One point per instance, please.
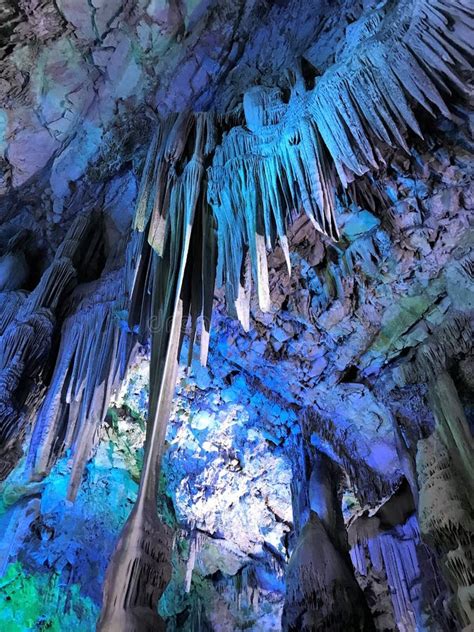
(92, 360)
(26, 339)
(289, 156)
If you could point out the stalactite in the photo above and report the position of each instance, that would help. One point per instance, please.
(139, 569)
(193, 550)
(257, 177)
(402, 55)
(407, 461)
(396, 54)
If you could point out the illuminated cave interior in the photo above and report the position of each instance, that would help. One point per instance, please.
(236, 308)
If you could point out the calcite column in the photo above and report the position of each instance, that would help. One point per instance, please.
(452, 425)
(446, 520)
(322, 592)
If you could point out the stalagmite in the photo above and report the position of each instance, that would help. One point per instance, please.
(321, 590)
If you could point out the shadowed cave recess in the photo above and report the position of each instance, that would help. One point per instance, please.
(236, 301)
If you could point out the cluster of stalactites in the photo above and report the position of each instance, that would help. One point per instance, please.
(287, 156)
(259, 175)
(172, 208)
(402, 53)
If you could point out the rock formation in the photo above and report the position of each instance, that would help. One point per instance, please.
(321, 590)
(236, 299)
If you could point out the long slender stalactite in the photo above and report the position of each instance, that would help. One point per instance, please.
(138, 573)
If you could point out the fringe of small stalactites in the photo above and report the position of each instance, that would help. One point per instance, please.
(452, 339)
(409, 54)
(254, 182)
(400, 55)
